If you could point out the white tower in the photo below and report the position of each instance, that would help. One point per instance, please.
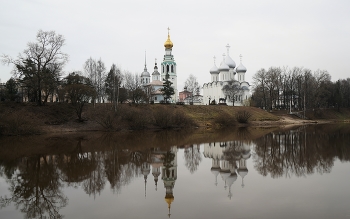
(169, 65)
(145, 76)
(155, 74)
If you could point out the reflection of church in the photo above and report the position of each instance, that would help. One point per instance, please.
(228, 160)
(165, 163)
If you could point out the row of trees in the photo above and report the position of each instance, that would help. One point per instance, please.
(38, 77)
(298, 88)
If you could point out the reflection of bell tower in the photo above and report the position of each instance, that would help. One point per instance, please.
(169, 175)
(145, 168)
(155, 173)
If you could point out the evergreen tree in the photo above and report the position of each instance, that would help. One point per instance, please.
(167, 89)
(11, 89)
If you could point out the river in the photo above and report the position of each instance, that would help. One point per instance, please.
(253, 172)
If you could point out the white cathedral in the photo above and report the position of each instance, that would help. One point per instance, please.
(168, 66)
(227, 71)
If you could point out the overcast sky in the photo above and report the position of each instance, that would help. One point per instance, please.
(304, 33)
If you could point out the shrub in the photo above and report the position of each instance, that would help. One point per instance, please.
(136, 118)
(181, 120)
(243, 116)
(168, 117)
(225, 120)
(17, 123)
(162, 117)
(106, 117)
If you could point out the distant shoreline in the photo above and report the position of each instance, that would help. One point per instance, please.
(29, 119)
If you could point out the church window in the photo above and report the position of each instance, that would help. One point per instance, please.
(167, 68)
(155, 98)
(172, 68)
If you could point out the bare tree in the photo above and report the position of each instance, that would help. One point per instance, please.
(96, 72)
(112, 85)
(46, 60)
(192, 85)
(133, 84)
(101, 76)
(260, 84)
(79, 91)
(232, 91)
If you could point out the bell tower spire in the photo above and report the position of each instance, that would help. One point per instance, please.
(169, 66)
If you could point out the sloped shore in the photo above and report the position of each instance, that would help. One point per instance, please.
(28, 119)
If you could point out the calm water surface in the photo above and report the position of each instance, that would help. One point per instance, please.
(300, 172)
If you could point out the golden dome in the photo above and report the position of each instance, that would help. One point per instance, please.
(169, 198)
(168, 44)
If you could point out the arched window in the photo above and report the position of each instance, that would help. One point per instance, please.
(172, 68)
(167, 68)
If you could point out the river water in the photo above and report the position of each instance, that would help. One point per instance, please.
(296, 172)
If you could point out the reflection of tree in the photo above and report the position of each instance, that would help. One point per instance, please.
(113, 169)
(295, 152)
(35, 188)
(192, 157)
(76, 166)
(168, 162)
(95, 183)
(233, 151)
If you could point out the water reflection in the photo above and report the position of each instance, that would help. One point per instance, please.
(301, 151)
(37, 179)
(228, 159)
(35, 187)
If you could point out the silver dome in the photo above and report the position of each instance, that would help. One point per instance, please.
(214, 70)
(229, 61)
(241, 68)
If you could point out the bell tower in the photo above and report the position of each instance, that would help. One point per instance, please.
(169, 65)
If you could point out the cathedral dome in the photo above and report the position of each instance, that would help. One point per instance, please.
(241, 68)
(214, 70)
(215, 171)
(224, 174)
(229, 61)
(145, 73)
(224, 67)
(156, 73)
(231, 179)
(242, 172)
(168, 44)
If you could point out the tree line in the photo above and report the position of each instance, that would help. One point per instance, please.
(38, 77)
(298, 88)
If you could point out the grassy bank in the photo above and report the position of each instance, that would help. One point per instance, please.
(24, 119)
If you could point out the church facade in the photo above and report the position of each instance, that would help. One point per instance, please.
(168, 66)
(222, 75)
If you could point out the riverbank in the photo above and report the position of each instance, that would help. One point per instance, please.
(24, 119)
